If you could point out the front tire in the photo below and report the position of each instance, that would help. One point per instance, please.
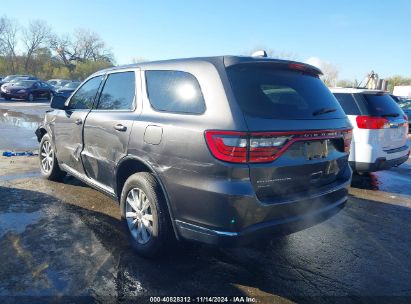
(49, 166)
(144, 213)
(30, 97)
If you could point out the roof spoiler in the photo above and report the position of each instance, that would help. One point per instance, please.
(277, 63)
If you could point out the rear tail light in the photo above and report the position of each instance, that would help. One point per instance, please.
(406, 121)
(262, 147)
(371, 122)
(266, 147)
(228, 146)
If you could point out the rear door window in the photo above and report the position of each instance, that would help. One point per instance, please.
(266, 92)
(174, 91)
(381, 105)
(348, 103)
(118, 92)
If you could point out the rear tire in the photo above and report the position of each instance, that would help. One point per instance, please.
(145, 215)
(49, 166)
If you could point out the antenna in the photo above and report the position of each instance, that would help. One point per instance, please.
(260, 53)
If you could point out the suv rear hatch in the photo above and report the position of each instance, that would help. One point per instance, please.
(383, 115)
(298, 135)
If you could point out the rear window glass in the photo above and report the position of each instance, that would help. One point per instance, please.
(282, 94)
(174, 91)
(381, 105)
(348, 103)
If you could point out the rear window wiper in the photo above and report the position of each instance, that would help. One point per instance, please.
(324, 111)
(390, 115)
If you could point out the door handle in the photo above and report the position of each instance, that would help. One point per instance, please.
(78, 121)
(120, 127)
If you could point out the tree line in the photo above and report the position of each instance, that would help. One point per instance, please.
(37, 50)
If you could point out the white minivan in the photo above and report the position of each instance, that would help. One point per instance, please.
(380, 129)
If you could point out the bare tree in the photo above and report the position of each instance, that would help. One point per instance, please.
(330, 74)
(330, 71)
(62, 46)
(2, 29)
(89, 46)
(8, 41)
(36, 49)
(35, 36)
(82, 47)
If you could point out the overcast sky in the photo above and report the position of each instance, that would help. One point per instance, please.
(356, 36)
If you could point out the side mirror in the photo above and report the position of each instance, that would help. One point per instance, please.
(58, 102)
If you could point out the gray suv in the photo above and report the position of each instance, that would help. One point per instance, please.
(221, 150)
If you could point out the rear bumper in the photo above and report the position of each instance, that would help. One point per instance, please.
(317, 208)
(380, 164)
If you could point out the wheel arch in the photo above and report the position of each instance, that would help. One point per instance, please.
(40, 132)
(132, 164)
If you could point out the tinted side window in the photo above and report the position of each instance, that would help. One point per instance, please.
(348, 103)
(84, 97)
(174, 91)
(118, 92)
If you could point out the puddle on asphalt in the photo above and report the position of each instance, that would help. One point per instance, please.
(18, 119)
(10, 177)
(18, 221)
(391, 181)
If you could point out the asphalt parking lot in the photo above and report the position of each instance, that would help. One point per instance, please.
(66, 239)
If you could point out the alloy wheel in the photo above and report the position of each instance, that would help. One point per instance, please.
(47, 156)
(139, 215)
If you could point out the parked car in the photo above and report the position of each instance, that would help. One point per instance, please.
(397, 99)
(67, 89)
(9, 78)
(405, 105)
(28, 90)
(14, 81)
(17, 79)
(380, 129)
(58, 83)
(224, 150)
